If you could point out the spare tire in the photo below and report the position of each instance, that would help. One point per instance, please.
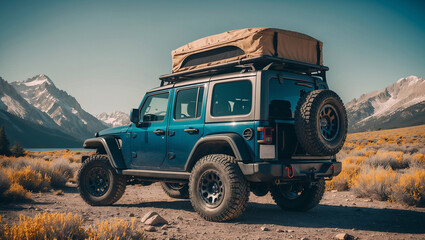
(321, 122)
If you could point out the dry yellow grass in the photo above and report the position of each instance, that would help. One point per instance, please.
(35, 172)
(385, 165)
(68, 226)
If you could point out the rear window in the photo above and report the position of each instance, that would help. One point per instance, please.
(231, 98)
(283, 97)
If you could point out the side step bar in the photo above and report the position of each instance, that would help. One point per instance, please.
(157, 174)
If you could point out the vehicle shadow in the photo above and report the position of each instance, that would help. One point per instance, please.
(323, 216)
(342, 217)
(174, 205)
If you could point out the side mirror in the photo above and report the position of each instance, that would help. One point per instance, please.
(134, 116)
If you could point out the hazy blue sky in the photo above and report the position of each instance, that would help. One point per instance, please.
(108, 53)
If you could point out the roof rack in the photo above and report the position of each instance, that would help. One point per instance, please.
(250, 64)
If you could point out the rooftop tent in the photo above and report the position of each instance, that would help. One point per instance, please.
(244, 44)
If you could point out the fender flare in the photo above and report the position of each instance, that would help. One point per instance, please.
(111, 147)
(235, 141)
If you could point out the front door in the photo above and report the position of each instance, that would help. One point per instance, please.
(148, 148)
(186, 125)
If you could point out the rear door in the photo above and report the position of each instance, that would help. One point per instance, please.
(186, 125)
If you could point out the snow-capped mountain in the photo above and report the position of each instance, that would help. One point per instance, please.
(401, 104)
(12, 102)
(114, 119)
(41, 92)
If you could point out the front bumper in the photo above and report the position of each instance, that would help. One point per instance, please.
(289, 171)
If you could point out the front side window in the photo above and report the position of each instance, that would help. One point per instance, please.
(231, 98)
(188, 103)
(155, 108)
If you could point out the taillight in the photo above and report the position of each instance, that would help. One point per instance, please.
(265, 135)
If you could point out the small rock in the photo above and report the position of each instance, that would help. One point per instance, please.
(290, 231)
(334, 191)
(118, 214)
(343, 236)
(179, 218)
(164, 227)
(150, 229)
(280, 230)
(31, 207)
(354, 204)
(264, 229)
(131, 215)
(156, 220)
(59, 193)
(368, 200)
(347, 200)
(148, 215)
(304, 238)
(164, 233)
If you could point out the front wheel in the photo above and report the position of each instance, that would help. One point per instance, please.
(298, 196)
(98, 183)
(218, 190)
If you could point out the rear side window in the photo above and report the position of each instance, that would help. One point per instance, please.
(231, 98)
(188, 103)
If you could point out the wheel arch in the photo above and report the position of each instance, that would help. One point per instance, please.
(109, 146)
(230, 144)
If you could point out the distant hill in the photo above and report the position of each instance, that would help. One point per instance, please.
(401, 104)
(30, 134)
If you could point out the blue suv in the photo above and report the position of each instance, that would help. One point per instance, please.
(216, 134)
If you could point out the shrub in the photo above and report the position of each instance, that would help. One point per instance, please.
(411, 188)
(60, 173)
(375, 182)
(418, 160)
(46, 226)
(395, 160)
(116, 229)
(344, 180)
(29, 179)
(68, 226)
(4, 182)
(16, 193)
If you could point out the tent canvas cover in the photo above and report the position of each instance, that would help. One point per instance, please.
(247, 43)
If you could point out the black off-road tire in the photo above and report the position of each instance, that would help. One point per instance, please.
(318, 133)
(309, 197)
(231, 184)
(116, 184)
(176, 190)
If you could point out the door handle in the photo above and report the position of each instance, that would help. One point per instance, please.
(191, 130)
(159, 132)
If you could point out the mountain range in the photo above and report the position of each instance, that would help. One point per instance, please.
(114, 119)
(36, 106)
(401, 104)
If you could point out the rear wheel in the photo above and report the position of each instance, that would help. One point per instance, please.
(176, 190)
(298, 197)
(218, 190)
(98, 183)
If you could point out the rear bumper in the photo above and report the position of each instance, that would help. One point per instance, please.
(290, 171)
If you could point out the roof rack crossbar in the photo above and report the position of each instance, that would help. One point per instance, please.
(267, 61)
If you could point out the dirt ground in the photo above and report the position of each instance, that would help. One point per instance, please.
(338, 212)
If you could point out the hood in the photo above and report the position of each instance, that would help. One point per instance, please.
(114, 130)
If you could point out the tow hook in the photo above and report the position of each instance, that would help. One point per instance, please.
(289, 171)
